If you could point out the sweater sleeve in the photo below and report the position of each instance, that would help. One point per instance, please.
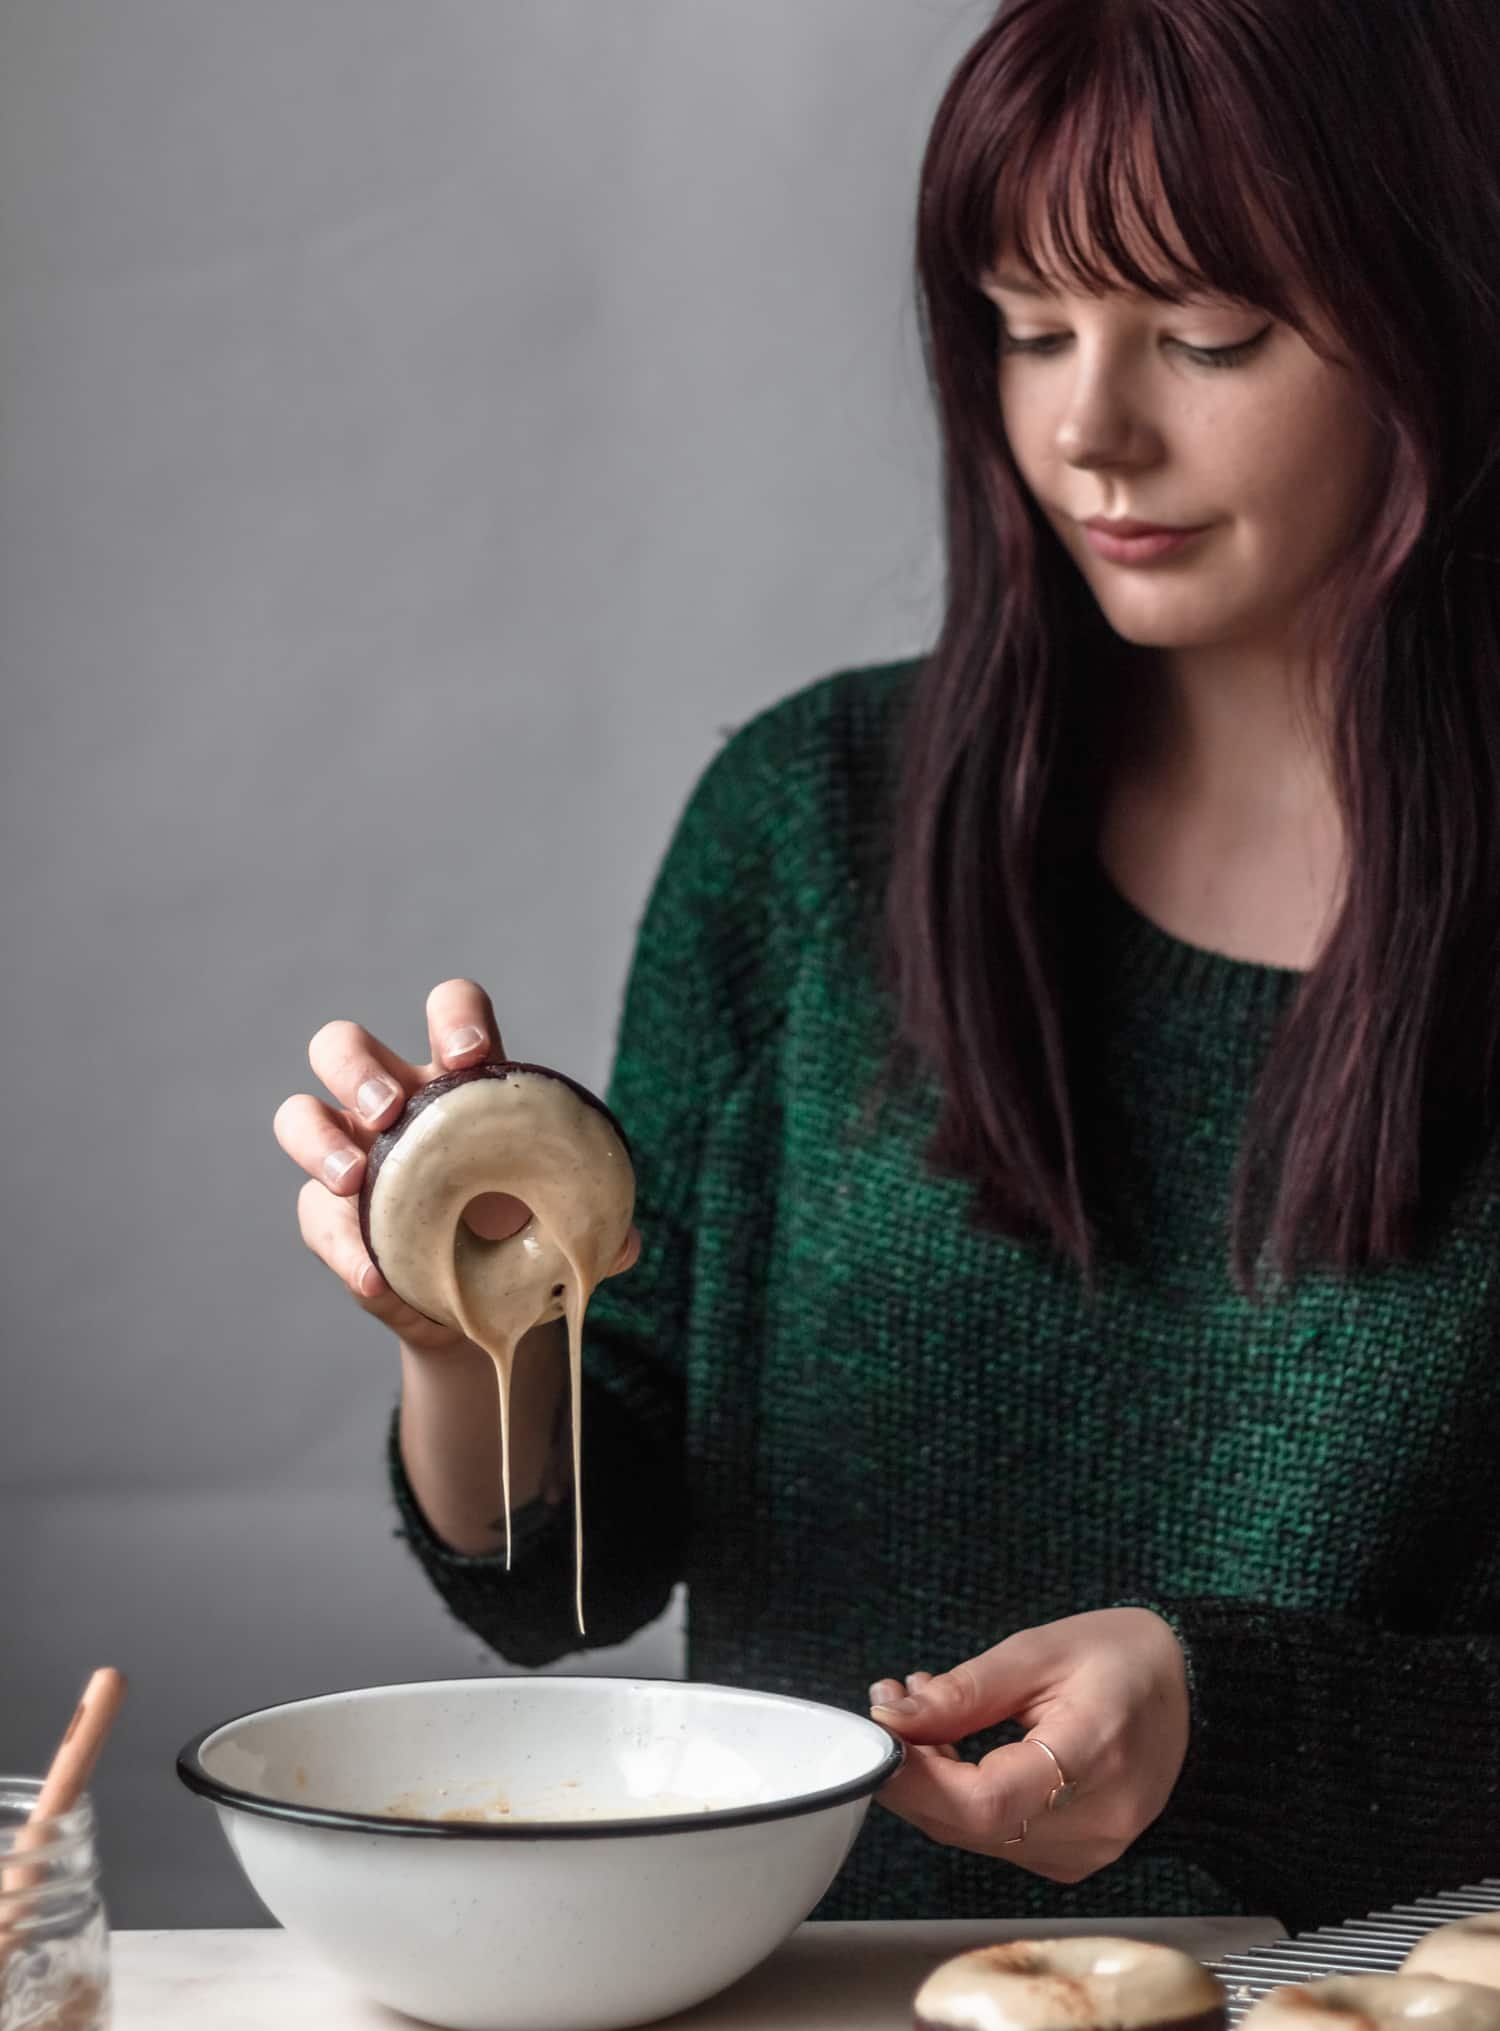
(1335, 1768)
(699, 998)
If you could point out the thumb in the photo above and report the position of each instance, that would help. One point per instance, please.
(972, 1695)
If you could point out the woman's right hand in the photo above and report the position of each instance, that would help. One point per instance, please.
(371, 1084)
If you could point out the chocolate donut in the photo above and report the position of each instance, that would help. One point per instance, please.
(539, 1137)
(503, 1127)
(1077, 1984)
(1468, 1950)
(1377, 2003)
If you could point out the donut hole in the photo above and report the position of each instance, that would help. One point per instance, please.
(495, 1216)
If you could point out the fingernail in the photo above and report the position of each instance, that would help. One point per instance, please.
(880, 1687)
(467, 1039)
(369, 1280)
(338, 1164)
(907, 1706)
(375, 1096)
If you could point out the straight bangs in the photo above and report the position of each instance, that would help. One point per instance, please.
(1334, 166)
(1100, 182)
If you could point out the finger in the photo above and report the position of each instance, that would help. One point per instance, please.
(916, 1792)
(975, 1694)
(977, 1805)
(629, 1255)
(362, 1073)
(915, 1681)
(322, 1140)
(461, 1025)
(886, 1689)
(330, 1227)
(1059, 1759)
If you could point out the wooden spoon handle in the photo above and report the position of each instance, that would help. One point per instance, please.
(78, 1751)
(68, 1773)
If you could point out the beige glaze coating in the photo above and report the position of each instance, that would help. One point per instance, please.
(1374, 2002)
(1466, 1951)
(1068, 1985)
(534, 1137)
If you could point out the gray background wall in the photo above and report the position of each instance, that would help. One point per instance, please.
(425, 426)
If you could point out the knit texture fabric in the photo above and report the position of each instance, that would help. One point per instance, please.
(873, 1440)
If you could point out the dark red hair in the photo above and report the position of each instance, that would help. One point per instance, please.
(1331, 152)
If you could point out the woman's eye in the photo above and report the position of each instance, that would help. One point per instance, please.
(1205, 356)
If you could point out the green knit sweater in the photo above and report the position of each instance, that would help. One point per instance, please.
(874, 1441)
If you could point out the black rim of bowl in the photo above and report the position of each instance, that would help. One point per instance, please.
(190, 1769)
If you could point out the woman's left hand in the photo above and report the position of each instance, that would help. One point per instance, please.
(1107, 1693)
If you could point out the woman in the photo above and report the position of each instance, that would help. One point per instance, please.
(1060, 1069)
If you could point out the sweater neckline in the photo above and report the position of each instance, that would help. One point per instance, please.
(1152, 959)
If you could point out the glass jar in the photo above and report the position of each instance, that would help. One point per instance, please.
(54, 1936)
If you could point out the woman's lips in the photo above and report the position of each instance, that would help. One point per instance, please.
(1140, 549)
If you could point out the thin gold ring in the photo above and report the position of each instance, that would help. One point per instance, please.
(1016, 1839)
(1062, 1789)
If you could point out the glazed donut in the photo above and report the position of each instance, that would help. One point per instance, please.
(542, 1138)
(1377, 2003)
(1468, 1950)
(1080, 1984)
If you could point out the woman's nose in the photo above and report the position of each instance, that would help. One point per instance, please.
(1091, 442)
(1101, 425)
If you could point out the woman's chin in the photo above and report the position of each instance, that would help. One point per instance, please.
(1164, 619)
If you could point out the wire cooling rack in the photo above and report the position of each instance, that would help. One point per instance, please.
(1375, 1945)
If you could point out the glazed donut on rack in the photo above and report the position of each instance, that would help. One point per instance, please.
(1377, 2003)
(1468, 1950)
(1079, 1984)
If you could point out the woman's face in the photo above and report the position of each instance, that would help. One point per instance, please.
(1202, 415)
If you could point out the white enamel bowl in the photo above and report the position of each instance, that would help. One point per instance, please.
(636, 1844)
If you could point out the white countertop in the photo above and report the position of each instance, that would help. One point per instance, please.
(827, 1977)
